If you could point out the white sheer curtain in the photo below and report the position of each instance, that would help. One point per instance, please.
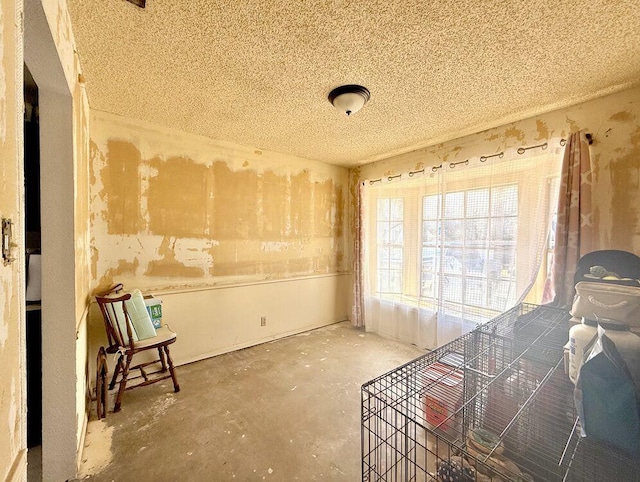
(451, 248)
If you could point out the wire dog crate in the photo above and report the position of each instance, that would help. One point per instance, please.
(425, 420)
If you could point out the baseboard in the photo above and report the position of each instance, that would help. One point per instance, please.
(240, 346)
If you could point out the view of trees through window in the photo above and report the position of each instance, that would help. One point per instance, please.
(467, 245)
(469, 250)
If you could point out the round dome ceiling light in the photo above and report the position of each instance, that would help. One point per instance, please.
(349, 98)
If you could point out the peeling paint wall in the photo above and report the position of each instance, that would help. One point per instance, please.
(12, 316)
(174, 210)
(224, 234)
(613, 120)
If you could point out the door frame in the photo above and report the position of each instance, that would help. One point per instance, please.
(60, 400)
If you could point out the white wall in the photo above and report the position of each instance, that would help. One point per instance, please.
(215, 320)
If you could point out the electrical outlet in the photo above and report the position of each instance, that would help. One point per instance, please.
(263, 321)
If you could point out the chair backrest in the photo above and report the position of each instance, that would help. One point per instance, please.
(117, 321)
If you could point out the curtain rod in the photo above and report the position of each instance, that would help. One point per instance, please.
(452, 165)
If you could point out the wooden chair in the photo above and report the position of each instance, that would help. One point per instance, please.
(125, 346)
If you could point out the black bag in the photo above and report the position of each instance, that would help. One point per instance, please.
(626, 265)
(606, 398)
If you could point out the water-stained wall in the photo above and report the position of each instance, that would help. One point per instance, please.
(226, 235)
(173, 210)
(614, 122)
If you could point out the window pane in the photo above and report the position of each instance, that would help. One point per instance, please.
(396, 258)
(475, 261)
(430, 232)
(475, 292)
(452, 289)
(476, 231)
(383, 233)
(396, 234)
(453, 261)
(396, 210)
(383, 258)
(502, 263)
(429, 285)
(430, 259)
(390, 240)
(501, 294)
(395, 281)
(383, 209)
(453, 232)
(478, 203)
(431, 207)
(504, 230)
(454, 205)
(504, 201)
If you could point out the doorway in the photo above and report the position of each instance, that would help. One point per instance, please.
(62, 363)
(33, 285)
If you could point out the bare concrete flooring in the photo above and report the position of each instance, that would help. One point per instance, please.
(281, 411)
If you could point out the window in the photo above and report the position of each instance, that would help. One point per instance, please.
(468, 250)
(390, 244)
(456, 246)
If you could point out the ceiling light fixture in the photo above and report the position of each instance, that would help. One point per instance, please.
(349, 98)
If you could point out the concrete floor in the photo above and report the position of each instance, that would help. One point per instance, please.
(282, 411)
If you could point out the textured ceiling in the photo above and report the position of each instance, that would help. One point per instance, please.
(257, 72)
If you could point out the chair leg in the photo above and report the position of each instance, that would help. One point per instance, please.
(162, 362)
(176, 386)
(101, 394)
(101, 384)
(123, 383)
(116, 371)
